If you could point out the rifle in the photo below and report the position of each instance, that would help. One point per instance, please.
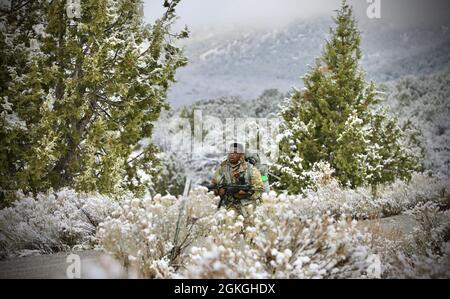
(231, 189)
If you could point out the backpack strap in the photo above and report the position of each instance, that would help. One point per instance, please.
(227, 173)
(248, 174)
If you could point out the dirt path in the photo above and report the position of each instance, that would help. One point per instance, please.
(46, 266)
(403, 223)
(56, 265)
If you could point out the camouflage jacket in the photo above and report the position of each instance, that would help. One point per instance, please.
(243, 172)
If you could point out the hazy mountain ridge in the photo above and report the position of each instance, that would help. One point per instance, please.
(247, 62)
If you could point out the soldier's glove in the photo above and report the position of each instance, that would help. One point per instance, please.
(220, 192)
(240, 195)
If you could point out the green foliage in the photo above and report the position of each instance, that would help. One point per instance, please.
(332, 119)
(80, 105)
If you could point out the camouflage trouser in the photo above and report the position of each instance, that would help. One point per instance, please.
(241, 208)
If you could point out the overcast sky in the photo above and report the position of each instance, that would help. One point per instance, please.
(223, 13)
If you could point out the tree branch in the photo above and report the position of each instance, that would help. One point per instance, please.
(102, 98)
(128, 162)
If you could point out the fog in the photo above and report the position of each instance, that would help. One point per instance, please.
(201, 15)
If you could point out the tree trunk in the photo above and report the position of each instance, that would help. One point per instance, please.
(374, 190)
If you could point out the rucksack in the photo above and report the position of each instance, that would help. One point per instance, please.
(263, 168)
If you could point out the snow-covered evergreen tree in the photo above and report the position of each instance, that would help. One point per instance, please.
(332, 120)
(18, 29)
(87, 96)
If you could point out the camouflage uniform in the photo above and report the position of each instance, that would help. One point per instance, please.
(241, 173)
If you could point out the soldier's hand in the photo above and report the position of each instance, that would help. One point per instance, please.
(220, 192)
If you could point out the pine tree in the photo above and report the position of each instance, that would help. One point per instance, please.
(332, 120)
(87, 97)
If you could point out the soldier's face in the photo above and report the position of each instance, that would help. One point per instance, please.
(234, 156)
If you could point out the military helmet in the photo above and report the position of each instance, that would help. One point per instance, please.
(237, 148)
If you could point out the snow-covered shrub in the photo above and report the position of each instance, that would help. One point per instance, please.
(425, 254)
(275, 240)
(287, 236)
(141, 233)
(278, 242)
(52, 221)
(401, 196)
(224, 252)
(359, 203)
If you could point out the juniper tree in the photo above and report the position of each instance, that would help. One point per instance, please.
(17, 34)
(87, 97)
(333, 119)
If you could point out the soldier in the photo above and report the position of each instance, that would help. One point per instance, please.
(235, 170)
